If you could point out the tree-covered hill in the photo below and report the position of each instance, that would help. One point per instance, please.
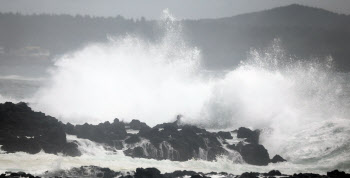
(305, 32)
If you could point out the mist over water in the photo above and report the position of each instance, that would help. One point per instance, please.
(128, 78)
(131, 78)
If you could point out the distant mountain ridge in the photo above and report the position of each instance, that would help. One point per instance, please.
(305, 32)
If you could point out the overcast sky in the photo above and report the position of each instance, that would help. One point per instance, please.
(151, 9)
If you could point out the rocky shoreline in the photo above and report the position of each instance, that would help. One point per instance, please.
(95, 171)
(22, 129)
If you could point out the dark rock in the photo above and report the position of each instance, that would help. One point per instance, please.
(232, 147)
(253, 154)
(173, 141)
(147, 173)
(71, 149)
(177, 142)
(225, 135)
(223, 173)
(22, 129)
(277, 158)
(306, 175)
(22, 174)
(69, 129)
(170, 125)
(249, 175)
(338, 174)
(107, 173)
(30, 146)
(127, 176)
(144, 131)
(132, 139)
(14, 175)
(105, 132)
(137, 125)
(135, 152)
(118, 144)
(251, 136)
(84, 171)
(273, 173)
(216, 151)
(57, 136)
(180, 173)
(198, 176)
(186, 142)
(213, 173)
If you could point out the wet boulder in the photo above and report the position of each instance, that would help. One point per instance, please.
(69, 129)
(277, 159)
(132, 139)
(253, 154)
(137, 152)
(118, 144)
(22, 129)
(273, 173)
(249, 135)
(307, 175)
(13, 145)
(214, 152)
(148, 173)
(105, 132)
(225, 135)
(338, 174)
(71, 149)
(137, 125)
(180, 174)
(249, 175)
(199, 176)
(178, 143)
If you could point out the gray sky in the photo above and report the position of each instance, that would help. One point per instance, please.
(151, 9)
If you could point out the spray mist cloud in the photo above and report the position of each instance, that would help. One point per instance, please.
(130, 78)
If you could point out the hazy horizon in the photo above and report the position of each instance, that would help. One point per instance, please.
(152, 10)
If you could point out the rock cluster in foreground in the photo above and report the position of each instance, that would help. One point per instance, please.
(95, 171)
(22, 129)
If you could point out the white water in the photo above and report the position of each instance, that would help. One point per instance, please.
(126, 78)
(95, 154)
(303, 105)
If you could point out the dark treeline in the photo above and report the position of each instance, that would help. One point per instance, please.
(61, 33)
(304, 32)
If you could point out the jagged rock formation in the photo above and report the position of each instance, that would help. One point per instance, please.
(22, 129)
(253, 154)
(25, 130)
(277, 158)
(249, 135)
(178, 143)
(137, 125)
(337, 173)
(107, 133)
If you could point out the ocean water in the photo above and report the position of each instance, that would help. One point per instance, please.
(302, 105)
(320, 161)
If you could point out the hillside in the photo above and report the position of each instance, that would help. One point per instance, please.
(304, 32)
(31, 41)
